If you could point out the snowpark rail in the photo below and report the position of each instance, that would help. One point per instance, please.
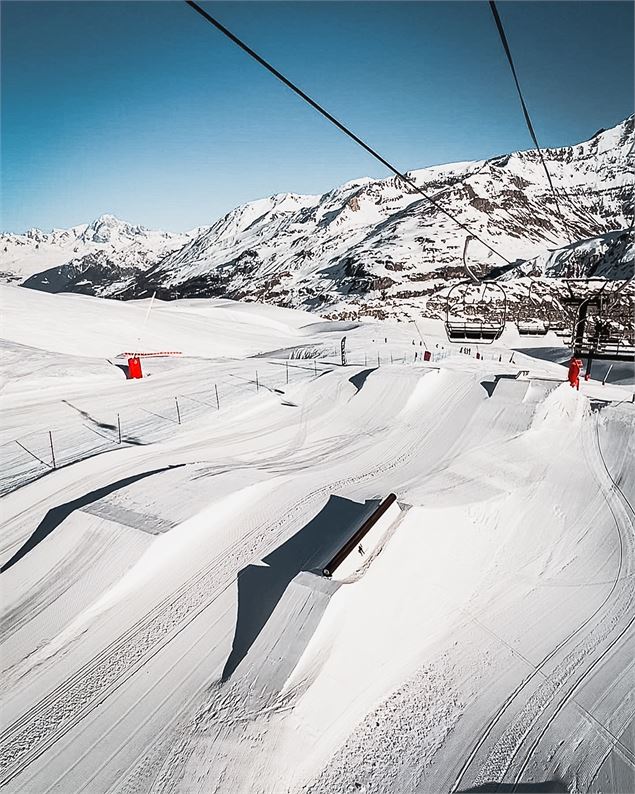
(350, 545)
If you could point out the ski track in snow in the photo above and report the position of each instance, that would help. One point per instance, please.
(466, 650)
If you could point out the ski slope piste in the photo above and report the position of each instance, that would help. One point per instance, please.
(166, 622)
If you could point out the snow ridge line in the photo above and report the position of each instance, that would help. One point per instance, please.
(482, 776)
(56, 714)
(502, 755)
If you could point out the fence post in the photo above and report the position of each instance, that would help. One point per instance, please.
(119, 427)
(378, 360)
(257, 384)
(52, 450)
(178, 412)
(217, 400)
(365, 359)
(314, 367)
(286, 365)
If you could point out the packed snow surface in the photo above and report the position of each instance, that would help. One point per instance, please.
(166, 626)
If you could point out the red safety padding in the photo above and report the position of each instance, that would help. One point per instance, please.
(134, 367)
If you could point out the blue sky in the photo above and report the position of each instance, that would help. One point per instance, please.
(144, 110)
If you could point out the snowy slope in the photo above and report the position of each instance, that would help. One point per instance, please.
(106, 243)
(105, 328)
(377, 237)
(610, 256)
(164, 624)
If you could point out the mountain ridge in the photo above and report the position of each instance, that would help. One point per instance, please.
(371, 241)
(129, 245)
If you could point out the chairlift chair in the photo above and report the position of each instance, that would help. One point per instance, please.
(461, 326)
(532, 327)
(603, 327)
(530, 324)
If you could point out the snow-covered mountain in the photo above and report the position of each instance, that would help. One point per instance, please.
(96, 273)
(608, 256)
(107, 242)
(378, 238)
(376, 246)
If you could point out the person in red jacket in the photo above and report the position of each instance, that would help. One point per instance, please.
(575, 365)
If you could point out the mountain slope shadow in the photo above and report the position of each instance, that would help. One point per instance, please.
(260, 587)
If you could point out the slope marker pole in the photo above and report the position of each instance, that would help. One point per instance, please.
(52, 450)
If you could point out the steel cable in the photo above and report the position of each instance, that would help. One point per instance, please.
(337, 123)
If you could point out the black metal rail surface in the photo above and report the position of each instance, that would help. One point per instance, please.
(339, 557)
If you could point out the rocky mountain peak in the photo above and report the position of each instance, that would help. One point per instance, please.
(369, 245)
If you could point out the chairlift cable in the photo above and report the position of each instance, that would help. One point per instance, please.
(337, 123)
(530, 126)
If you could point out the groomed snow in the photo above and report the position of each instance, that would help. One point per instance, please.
(165, 624)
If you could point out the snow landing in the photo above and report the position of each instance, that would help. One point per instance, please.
(165, 624)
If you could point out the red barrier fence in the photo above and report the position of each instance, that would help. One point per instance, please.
(160, 353)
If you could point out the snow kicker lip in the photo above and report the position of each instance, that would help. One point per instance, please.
(56, 515)
(260, 587)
